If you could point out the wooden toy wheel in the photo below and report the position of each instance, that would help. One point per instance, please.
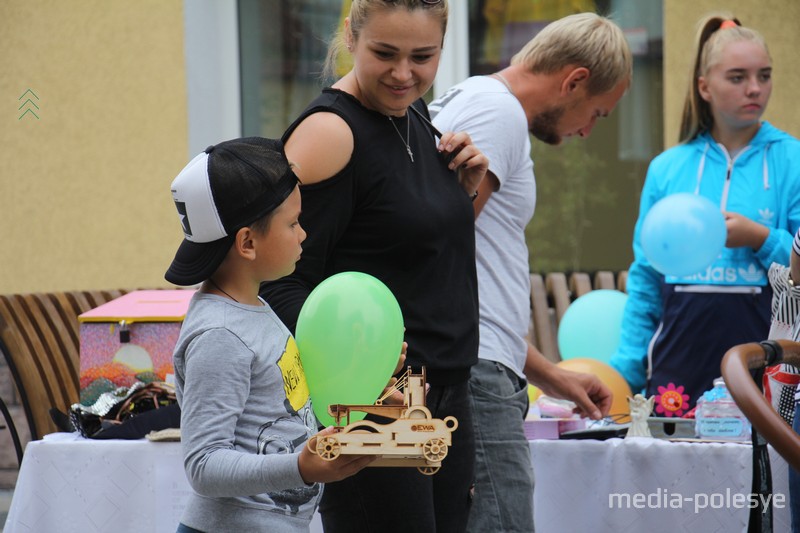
(328, 448)
(434, 450)
(415, 413)
(428, 470)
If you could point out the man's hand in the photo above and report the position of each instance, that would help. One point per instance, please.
(592, 397)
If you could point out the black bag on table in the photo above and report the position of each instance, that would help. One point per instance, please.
(128, 412)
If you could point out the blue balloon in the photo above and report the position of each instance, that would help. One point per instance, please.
(591, 325)
(683, 234)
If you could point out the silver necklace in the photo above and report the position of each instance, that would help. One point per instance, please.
(408, 135)
(503, 81)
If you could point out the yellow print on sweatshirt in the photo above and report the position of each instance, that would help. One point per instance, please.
(294, 378)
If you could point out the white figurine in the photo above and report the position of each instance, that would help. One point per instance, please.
(640, 412)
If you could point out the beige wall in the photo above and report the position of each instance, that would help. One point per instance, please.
(777, 20)
(84, 199)
(83, 190)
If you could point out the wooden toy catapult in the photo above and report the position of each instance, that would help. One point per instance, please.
(414, 438)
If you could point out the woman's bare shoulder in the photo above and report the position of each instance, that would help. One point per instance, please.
(320, 147)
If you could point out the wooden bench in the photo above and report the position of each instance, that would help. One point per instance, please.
(39, 337)
(551, 295)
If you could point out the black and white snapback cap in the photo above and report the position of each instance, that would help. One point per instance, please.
(227, 187)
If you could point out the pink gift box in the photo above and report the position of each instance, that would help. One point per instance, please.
(129, 339)
(551, 428)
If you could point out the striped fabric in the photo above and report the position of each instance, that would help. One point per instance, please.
(785, 325)
(785, 304)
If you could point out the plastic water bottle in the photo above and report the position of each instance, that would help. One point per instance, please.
(718, 417)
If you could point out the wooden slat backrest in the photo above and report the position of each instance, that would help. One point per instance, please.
(543, 323)
(579, 284)
(62, 354)
(15, 346)
(41, 334)
(26, 350)
(622, 280)
(114, 294)
(79, 302)
(96, 298)
(557, 292)
(603, 279)
(65, 303)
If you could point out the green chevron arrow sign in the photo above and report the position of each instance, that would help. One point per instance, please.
(28, 105)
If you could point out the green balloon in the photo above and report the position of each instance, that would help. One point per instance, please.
(349, 335)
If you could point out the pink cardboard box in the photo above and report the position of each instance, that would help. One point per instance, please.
(129, 339)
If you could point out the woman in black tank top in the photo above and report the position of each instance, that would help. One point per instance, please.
(384, 193)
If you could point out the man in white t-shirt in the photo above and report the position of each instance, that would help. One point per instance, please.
(572, 73)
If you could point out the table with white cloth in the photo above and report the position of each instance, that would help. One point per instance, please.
(653, 485)
(68, 484)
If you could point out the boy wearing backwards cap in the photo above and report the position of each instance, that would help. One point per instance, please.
(246, 414)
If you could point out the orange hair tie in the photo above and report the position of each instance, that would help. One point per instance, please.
(727, 24)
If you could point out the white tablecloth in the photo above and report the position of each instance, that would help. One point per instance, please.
(574, 479)
(72, 485)
(68, 484)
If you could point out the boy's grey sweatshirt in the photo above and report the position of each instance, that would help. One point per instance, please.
(245, 415)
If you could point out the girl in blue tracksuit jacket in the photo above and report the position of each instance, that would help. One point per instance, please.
(676, 330)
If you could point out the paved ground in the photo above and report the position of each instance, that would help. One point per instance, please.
(9, 469)
(5, 503)
(8, 478)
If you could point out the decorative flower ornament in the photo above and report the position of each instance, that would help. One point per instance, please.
(671, 401)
